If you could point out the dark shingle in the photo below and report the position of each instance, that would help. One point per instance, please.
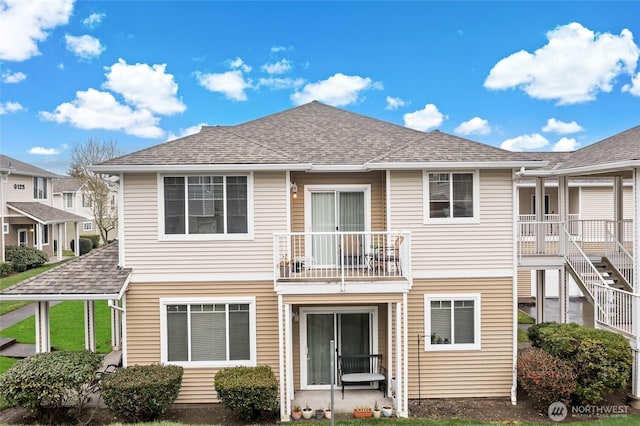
(44, 213)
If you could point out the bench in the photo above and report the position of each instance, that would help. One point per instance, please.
(361, 369)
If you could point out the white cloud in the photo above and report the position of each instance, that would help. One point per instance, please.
(573, 67)
(394, 103)
(525, 142)
(13, 77)
(185, 132)
(238, 64)
(231, 84)
(10, 107)
(93, 20)
(277, 49)
(84, 46)
(280, 67)
(60, 66)
(425, 119)
(634, 86)
(25, 23)
(337, 90)
(475, 126)
(566, 144)
(281, 83)
(145, 87)
(93, 109)
(38, 150)
(561, 127)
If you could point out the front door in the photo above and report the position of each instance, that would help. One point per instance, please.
(352, 330)
(22, 237)
(332, 209)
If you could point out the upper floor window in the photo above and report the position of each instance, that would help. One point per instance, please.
(451, 195)
(206, 205)
(40, 188)
(86, 200)
(452, 321)
(68, 197)
(208, 332)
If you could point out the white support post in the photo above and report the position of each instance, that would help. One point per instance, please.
(285, 403)
(540, 295)
(405, 357)
(38, 236)
(563, 296)
(398, 366)
(539, 206)
(76, 237)
(563, 211)
(116, 326)
(59, 244)
(635, 341)
(89, 325)
(43, 343)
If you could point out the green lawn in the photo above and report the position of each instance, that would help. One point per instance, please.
(6, 282)
(67, 327)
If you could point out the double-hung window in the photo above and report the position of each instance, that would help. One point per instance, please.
(210, 204)
(40, 188)
(451, 196)
(452, 321)
(208, 332)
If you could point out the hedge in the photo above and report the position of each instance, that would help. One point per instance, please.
(247, 390)
(24, 258)
(601, 359)
(142, 392)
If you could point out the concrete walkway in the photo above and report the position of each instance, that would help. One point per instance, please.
(17, 350)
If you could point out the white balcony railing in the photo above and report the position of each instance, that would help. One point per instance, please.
(341, 256)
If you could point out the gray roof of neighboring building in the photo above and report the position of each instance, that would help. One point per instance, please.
(316, 134)
(67, 184)
(11, 165)
(96, 275)
(43, 213)
(624, 146)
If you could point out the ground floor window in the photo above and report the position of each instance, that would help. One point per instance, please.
(452, 321)
(87, 226)
(214, 332)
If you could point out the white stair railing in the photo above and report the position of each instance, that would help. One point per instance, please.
(613, 308)
(619, 257)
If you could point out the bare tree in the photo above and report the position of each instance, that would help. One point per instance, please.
(99, 187)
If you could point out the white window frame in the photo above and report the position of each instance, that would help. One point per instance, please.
(37, 180)
(205, 237)
(87, 228)
(440, 220)
(45, 234)
(68, 202)
(5, 228)
(251, 301)
(87, 202)
(452, 297)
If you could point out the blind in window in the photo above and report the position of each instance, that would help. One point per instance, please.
(177, 342)
(464, 321)
(239, 342)
(440, 321)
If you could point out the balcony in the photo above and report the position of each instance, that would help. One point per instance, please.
(341, 258)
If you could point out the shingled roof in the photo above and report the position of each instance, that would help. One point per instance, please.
(67, 184)
(314, 134)
(11, 165)
(43, 213)
(94, 276)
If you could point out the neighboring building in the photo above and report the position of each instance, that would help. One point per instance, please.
(29, 217)
(71, 195)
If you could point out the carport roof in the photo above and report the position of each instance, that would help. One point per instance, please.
(94, 276)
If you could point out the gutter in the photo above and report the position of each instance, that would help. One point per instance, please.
(154, 168)
(601, 168)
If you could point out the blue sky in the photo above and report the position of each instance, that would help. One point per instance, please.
(522, 75)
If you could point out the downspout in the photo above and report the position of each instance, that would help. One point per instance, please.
(514, 337)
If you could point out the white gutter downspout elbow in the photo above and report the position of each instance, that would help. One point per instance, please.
(110, 302)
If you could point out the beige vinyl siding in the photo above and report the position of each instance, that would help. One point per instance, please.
(597, 203)
(147, 255)
(524, 284)
(456, 246)
(480, 373)
(143, 327)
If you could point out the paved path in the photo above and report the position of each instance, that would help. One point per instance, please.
(17, 350)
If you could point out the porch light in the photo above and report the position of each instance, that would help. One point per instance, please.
(294, 189)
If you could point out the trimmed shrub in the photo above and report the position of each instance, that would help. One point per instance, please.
(601, 359)
(545, 378)
(49, 383)
(247, 390)
(85, 245)
(5, 268)
(142, 392)
(24, 258)
(95, 240)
